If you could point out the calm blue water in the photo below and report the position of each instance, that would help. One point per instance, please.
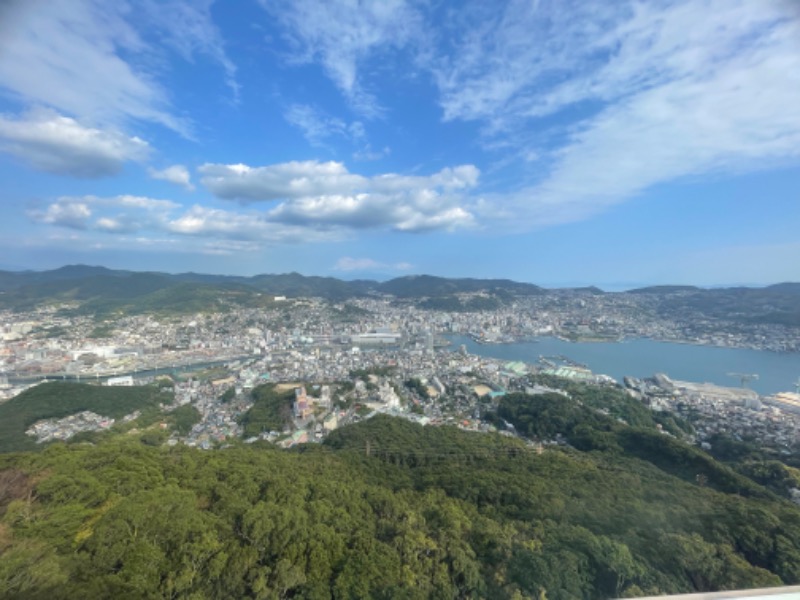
(643, 358)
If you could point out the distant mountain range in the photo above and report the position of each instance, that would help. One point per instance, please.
(101, 290)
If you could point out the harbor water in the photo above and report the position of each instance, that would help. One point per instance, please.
(777, 372)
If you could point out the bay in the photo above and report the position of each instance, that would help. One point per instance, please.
(777, 372)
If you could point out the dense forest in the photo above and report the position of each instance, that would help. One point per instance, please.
(390, 509)
(271, 410)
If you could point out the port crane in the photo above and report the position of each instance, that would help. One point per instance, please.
(745, 378)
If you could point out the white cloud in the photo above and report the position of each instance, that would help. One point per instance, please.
(315, 125)
(73, 215)
(666, 90)
(140, 202)
(327, 195)
(320, 202)
(496, 55)
(66, 54)
(177, 174)
(367, 153)
(318, 128)
(111, 224)
(61, 145)
(346, 263)
(187, 26)
(285, 180)
(97, 60)
(145, 216)
(241, 226)
(202, 220)
(342, 35)
(114, 214)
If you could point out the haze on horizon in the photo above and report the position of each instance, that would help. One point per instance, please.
(558, 143)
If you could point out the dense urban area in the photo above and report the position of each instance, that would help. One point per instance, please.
(345, 361)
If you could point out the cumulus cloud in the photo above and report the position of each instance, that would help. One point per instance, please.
(61, 145)
(326, 195)
(146, 217)
(115, 214)
(285, 180)
(347, 264)
(252, 228)
(317, 202)
(177, 174)
(64, 213)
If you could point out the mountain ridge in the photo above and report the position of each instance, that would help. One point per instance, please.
(109, 290)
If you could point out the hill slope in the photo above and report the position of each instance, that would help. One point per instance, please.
(384, 509)
(55, 400)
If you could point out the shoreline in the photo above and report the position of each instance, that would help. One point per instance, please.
(643, 357)
(619, 340)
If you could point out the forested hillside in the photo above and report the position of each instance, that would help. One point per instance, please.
(54, 400)
(389, 509)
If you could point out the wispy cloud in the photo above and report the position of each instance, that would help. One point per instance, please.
(188, 28)
(342, 36)
(349, 264)
(57, 144)
(367, 153)
(665, 91)
(317, 127)
(100, 60)
(320, 128)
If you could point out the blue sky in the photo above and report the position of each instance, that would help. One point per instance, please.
(557, 142)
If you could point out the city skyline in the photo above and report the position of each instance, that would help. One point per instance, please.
(548, 142)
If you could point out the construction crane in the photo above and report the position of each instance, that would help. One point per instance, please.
(745, 378)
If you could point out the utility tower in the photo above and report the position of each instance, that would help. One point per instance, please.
(744, 378)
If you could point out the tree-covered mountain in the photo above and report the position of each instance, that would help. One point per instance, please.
(416, 286)
(664, 289)
(72, 280)
(106, 290)
(131, 293)
(778, 304)
(390, 509)
(295, 285)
